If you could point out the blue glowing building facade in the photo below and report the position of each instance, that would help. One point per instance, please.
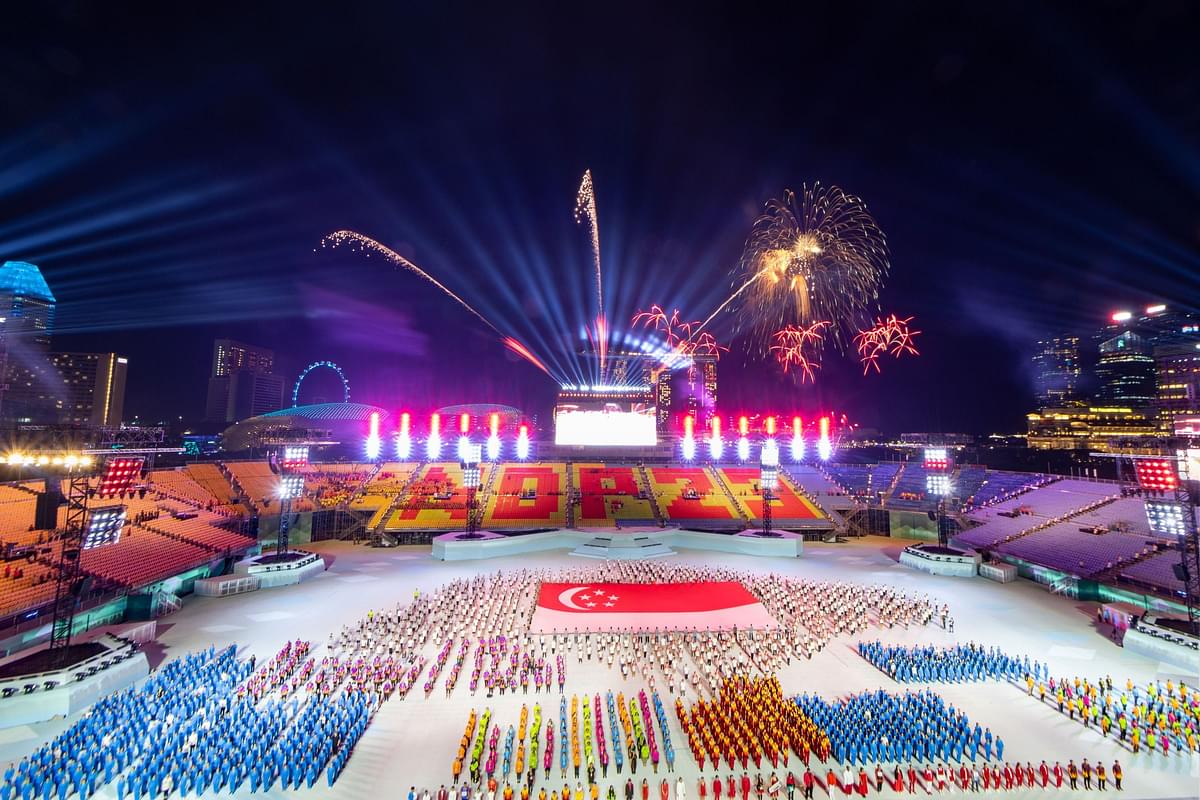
(26, 325)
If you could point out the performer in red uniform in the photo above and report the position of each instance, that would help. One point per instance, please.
(745, 786)
(1058, 775)
(1044, 773)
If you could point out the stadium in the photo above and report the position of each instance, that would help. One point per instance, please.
(636, 515)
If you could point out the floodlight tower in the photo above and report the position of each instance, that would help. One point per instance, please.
(938, 483)
(288, 461)
(472, 455)
(768, 482)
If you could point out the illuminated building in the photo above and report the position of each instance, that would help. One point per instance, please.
(26, 324)
(242, 383)
(709, 367)
(1057, 371)
(89, 388)
(1086, 427)
(662, 400)
(1125, 371)
(1178, 369)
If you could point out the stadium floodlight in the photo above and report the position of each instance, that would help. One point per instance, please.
(119, 475)
(493, 440)
(769, 455)
(104, 526)
(824, 445)
(294, 457)
(469, 463)
(689, 438)
(937, 458)
(291, 487)
(743, 442)
(797, 439)
(523, 443)
(404, 438)
(1122, 316)
(433, 445)
(1165, 517)
(937, 485)
(1156, 474)
(715, 445)
(373, 444)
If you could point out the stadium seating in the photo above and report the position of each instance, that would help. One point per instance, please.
(258, 484)
(436, 500)
(213, 480)
(142, 557)
(910, 492)
(1067, 547)
(688, 494)
(968, 480)
(609, 496)
(1157, 572)
(25, 585)
(787, 505)
(528, 494)
(1036, 510)
(1000, 485)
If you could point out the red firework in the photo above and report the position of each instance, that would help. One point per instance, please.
(789, 343)
(888, 335)
(678, 333)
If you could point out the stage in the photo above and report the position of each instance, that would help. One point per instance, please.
(615, 544)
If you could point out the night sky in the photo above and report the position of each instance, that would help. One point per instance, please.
(172, 171)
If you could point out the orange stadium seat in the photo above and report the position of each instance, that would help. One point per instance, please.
(673, 485)
(435, 500)
(743, 482)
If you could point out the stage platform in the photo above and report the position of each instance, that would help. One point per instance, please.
(614, 544)
(941, 560)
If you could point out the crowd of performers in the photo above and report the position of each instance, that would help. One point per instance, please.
(207, 721)
(1159, 717)
(959, 664)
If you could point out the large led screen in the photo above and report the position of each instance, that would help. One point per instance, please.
(605, 428)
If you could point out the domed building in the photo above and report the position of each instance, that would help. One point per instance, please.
(344, 425)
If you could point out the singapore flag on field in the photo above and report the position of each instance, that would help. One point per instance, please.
(638, 606)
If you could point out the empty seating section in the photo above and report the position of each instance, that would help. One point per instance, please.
(256, 481)
(1067, 547)
(1000, 485)
(25, 585)
(211, 478)
(1127, 515)
(435, 500)
(608, 494)
(528, 494)
(204, 529)
(968, 480)
(1157, 571)
(180, 485)
(1057, 499)
(853, 478)
(911, 490)
(787, 504)
(17, 511)
(688, 493)
(142, 557)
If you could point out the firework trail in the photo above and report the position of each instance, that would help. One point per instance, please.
(366, 244)
(890, 335)
(814, 256)
(521, 350)
(585, 208)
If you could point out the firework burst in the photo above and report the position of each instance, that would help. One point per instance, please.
(888, 335)
(816, 255)
(789, 343)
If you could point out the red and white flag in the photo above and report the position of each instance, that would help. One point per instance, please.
(647, 606)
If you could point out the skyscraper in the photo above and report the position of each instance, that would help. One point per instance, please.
(1178, 367)
(1057, 371)
(242, 383)
(88, 388)
(1125, 371)
(26, 324)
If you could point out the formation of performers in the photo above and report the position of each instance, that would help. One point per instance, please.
(958, 664)
(1159, 717)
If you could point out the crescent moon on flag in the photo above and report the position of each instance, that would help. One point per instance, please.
(567, 598)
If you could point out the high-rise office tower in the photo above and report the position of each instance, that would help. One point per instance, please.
(26, 324)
